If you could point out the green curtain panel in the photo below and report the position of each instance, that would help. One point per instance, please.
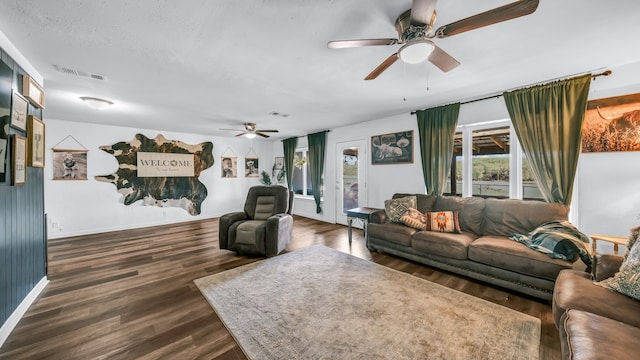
(317, 146)
(289, 146)
(548, 122)
(437, 127)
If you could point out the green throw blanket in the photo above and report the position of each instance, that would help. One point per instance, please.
(559, 240)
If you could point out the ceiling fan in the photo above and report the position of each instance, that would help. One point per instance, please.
(415, 26)
(250, 131)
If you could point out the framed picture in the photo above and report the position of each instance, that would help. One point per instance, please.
(4, 146)
(33, 91)
(251, 167)
(393, 148)
(229, 166)
(69, 164)
(278, 164)
(19, 160)
(611, 124)
(19, 107)
(35, 133)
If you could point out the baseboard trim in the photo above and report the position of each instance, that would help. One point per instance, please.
(12, 321)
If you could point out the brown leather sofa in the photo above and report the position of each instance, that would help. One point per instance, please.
(483, 250)
(595, 322)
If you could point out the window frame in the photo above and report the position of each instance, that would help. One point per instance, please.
(305, 176)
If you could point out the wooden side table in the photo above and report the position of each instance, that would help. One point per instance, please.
(364, 214)
(615, 240)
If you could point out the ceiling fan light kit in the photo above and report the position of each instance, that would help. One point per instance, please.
(415, 31)
(416, 51)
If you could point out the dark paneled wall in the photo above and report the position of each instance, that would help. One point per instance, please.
(22, 224)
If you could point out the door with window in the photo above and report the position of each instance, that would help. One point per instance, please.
(351, 180)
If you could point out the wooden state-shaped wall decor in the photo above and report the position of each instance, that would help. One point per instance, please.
(160, 172)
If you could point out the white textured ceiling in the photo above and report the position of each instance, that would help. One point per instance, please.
(197, 66)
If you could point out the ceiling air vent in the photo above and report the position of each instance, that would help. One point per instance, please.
(74, 72)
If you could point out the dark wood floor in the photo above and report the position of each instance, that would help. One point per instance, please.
(130, 294)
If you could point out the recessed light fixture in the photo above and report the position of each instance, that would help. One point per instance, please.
(96, 103)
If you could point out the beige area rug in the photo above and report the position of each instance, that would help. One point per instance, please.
(319, 303)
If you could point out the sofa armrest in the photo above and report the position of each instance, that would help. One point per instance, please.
(378, 217)
(223, 226)
(605, 266)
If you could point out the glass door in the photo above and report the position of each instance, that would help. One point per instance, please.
(351, 183)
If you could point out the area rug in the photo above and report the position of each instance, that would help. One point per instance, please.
(320, 303)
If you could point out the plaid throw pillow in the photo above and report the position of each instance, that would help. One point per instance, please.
(395, 208)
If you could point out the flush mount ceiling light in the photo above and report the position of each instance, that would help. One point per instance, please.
(96, 103)
(416, 51)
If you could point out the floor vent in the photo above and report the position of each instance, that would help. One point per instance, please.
(74, 72)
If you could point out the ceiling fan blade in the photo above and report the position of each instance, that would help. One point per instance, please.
(230, 129)
(442, 59)
(490, 17)
(242, 133)
(267, 130)
(422, 11)
(261, 134)
(339, 44)
(382, 67)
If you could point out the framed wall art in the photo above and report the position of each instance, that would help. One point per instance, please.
(229, 166)
(393, 148)
(35, 134)
(69, 164)
(19, 160)
(612, 124)
(19, 106)
(4, 146)
(33, 91)
(251, 167)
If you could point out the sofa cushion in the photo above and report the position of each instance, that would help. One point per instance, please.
(392, 232)
(442, 221)
(443, 244)
(588, 336)
(424, 202)
(575, 290)
(415, 219)
(500, 251)
(395, 208)
(509, 216)
(470, 210)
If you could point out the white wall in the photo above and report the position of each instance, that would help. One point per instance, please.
(82, 207)
(606, 199)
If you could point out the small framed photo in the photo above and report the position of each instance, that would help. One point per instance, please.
(19, 106)
(229, 166)
(35, 133)
(251, 167)
(33, 91)
(69, 164)
(278, 164)
(19, 160)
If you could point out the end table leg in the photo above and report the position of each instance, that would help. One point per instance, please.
(349, 221)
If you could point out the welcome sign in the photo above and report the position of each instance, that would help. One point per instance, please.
(151, 164)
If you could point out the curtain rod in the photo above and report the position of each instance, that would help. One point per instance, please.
(301, 136)
(495, 96)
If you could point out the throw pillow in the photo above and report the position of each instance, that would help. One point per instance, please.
(627, 280)
(415, 219)
(395, 208)
(442, 221)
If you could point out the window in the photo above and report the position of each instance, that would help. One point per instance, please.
(488, 162)
(301, 180)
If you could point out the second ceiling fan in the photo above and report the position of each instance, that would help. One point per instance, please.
(415, 26)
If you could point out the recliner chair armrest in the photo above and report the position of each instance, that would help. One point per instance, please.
(605, 266)
(279, 228)
(379, 217)
(223, 226)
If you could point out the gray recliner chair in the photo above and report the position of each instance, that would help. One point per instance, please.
(264, 227)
